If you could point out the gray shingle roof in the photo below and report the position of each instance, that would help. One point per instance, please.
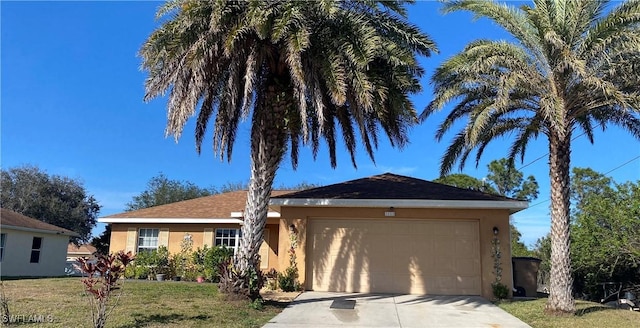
(392, 186)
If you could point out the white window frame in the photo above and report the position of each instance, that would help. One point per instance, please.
(3, 243)
(148, 241)
(225, 239)
(38, 250)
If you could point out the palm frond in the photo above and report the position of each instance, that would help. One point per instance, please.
(571, 63)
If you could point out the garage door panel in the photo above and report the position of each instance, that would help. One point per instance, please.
(401, 245)
(402, 283)
(405, 256)
(467, 267)
(465, 246)
(377, 228)
(444, 246)
(399, 228)
(468, 282)
(462, 229)
(421, 229)
(444, 266)
(441, 285)
(442, 229)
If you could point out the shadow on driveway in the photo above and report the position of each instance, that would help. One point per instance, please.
(312, 309)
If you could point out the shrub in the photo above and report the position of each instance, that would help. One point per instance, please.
(141, 272)
(272, 279)
(198, 259)
(158, 260)
(212, 260)
(500, 290)
(101, 281)
(288, 281)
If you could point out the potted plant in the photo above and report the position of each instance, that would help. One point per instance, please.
(175, 267)
(159, 262)
(198, 259)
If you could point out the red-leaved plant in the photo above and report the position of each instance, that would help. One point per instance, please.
(101, 280)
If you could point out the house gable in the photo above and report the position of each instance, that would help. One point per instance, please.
(32, 248)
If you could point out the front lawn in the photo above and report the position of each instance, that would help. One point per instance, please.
(143, 304)
(589, 315)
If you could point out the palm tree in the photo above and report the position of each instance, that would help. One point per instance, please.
(572, 66)
(301, 70)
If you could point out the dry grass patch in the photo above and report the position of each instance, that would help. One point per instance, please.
(589, 315)
(143, 304)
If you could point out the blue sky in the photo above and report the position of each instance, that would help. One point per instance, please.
(71, 103)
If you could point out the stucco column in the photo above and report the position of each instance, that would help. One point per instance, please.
(297, 227)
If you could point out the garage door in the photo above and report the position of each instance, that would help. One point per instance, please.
(440, 257)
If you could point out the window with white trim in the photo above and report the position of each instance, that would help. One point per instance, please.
(3, 242)
(147, 239)
(36, 245)
(229, 238)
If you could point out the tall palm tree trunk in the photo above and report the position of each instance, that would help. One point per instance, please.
(268, 138)
(561, 281)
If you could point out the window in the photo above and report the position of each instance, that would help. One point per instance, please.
(36, 245)
(229, 238)
(3, 242)
(147, 240)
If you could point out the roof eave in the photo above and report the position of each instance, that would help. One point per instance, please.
(169, 220)
(512, 205)
(51, 232)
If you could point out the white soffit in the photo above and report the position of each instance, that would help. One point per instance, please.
(170, 220)
(512, 205)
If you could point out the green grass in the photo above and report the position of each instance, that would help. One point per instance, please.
(143, 304)
(589, 315)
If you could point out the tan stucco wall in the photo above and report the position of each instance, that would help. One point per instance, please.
(487, 219)
(17, 254)
(177, 232)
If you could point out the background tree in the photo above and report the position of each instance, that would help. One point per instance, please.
(504, 180)
(162, 190)
(518, 248)
(233, 186)
(542, 250)
(53, 199)
(510, 182)
(606, 232)
(573, 66)
(461, 180)
(585, 183)
(300, 186)
(102, 242)
(301, 70)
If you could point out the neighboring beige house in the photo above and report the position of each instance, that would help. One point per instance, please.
(30, 247)
(386, 233)
(84, 250)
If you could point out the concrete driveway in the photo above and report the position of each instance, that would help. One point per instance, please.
(314, 309)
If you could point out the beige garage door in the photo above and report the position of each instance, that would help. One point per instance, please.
(394, 256)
